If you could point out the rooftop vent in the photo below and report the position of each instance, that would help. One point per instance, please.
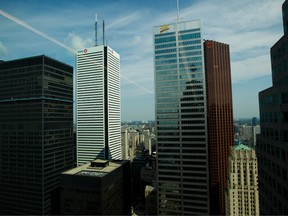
(99, 163)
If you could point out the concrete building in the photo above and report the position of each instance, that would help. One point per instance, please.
(220, 120)
(255, 130)
(181, 119)
(36, 134)
(133, 139)
(98, 104)
(147, 141)
(98, 188)
(124, 144)
(272, 143)
(242, 196)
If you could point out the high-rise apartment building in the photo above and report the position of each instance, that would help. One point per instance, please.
(272, 143)
(98, 104)
(220, 119)
(36, 133)
(181, 120)
(242, 195)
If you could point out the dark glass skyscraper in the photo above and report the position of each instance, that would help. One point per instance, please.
(180, 98)
(272, 143)
(36, 133)
(220, 120)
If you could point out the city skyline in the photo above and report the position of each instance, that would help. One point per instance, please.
(129, 27)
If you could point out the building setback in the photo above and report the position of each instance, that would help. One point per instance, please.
(220, 119)
(98, 104)
(272, 143)
(181, 120)
(242, 195)
(98, 188)
(36, 133)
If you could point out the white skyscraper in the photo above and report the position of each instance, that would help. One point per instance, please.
(98, 104)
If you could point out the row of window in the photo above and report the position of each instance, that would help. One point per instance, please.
(273, 100)
(274, 134)
(180, 38)
(185, 59)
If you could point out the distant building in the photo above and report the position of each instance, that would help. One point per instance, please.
(147, 141)
(242, 196)
(98, 188)
(36, 134)
(245, 134)
(255, 130)
(254, 121)
(133, 139)
(124, 144)
(98, 104)
(272, 143)
(220, 119)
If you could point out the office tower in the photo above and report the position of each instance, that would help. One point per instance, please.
(100, 187)
(36, 133)
(147, 141)
(133, 143)
(255, 131)
(124, 143)
(242, 196)
(220, 119)
(180, 107)
(254, 121)
(98, 104)
(272, 146)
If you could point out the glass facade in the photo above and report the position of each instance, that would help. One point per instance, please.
(272, 143)
(180, 107)
(36, 133)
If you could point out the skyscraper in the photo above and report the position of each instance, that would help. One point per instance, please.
(181, 120)
(220, 119)
(98, 104)
(36, 133)
(242, 195)
(272, 143)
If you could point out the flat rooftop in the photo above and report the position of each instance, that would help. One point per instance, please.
(88, 170)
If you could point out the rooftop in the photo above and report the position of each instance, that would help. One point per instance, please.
(88, 170)
(239, 147)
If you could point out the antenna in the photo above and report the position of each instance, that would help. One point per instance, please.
(178, 17)
(177, 1)
(103, 32)
(96, 27)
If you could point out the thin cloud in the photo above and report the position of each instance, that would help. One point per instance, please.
(124, 21)
(29, 27)
(251, 68)
(76, 42)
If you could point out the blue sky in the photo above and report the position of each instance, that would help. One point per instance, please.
(249, 27)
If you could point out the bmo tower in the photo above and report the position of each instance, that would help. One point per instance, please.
(98, 104)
